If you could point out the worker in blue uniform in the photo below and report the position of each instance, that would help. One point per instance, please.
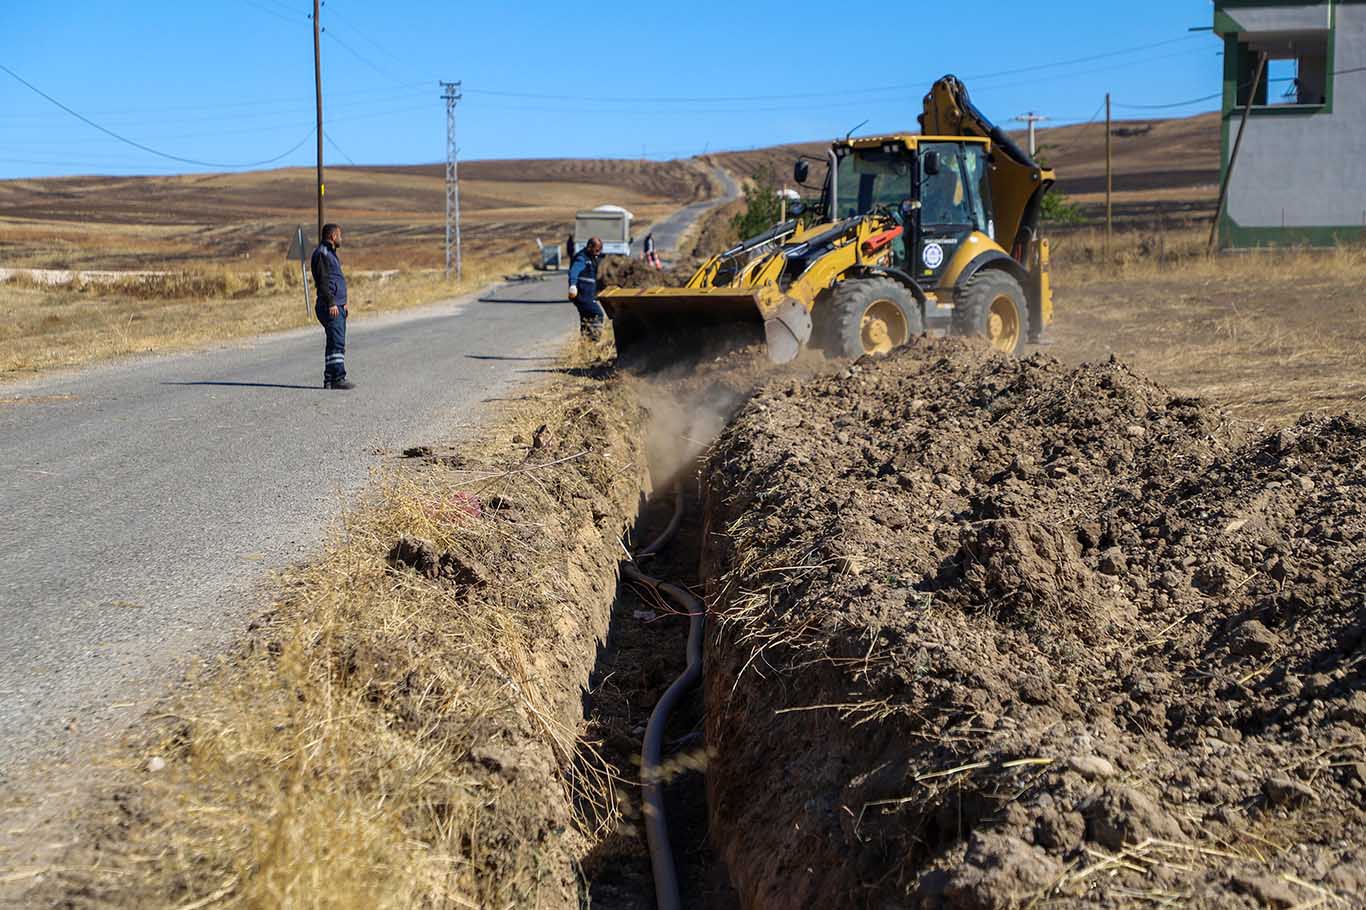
(583, 289)
(331, 306)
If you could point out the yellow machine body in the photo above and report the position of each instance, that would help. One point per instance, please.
(783, 278)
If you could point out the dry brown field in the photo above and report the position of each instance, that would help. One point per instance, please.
(394, 216)
(225, 237)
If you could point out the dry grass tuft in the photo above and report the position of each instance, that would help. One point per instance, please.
(387, 739)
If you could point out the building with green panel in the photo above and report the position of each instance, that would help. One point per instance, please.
(1300, 177)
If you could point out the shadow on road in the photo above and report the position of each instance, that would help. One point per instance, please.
(247, 385)
(503, 357)
(598, 371)
(522, 301)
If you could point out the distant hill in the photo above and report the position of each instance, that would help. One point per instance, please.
(1148, 154)
(1163, 168)
(395, 215)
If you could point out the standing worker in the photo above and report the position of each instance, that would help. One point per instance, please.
(331, 306)
(651, 257)
(569, 249)
(583, 289)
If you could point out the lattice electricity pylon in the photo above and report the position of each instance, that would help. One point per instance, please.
(451, 95)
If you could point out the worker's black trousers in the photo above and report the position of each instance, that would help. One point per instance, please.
(334, 357)
(591, 319)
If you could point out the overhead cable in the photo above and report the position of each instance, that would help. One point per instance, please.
(147, 148)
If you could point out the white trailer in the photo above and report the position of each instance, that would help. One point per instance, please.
(610, 222)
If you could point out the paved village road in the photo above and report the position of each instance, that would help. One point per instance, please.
(143, 503)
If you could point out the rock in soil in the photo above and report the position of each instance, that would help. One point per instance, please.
(1103, 641)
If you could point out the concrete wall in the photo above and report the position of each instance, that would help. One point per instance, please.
(1300, 169)
(1290, 17)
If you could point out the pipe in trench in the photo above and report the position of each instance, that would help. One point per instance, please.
(652, 787)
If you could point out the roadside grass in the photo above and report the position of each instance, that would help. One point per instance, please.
(1182, 255)
(386, 739)
(1268, 334)
(78, 322)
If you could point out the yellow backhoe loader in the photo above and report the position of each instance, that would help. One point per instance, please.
(936, 231)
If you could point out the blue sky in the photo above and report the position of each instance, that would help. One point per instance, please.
(232, 82)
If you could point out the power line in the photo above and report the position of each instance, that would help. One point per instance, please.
(832, 94)
(147, 148)
(337, 148)
(291, 106)
(357, 54)
(264, 119)
(1090, 59)
(834, 105)
(268, 11)
(1160, 107)
(370, 38)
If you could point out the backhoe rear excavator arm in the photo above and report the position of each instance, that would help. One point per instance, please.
(1018, 184)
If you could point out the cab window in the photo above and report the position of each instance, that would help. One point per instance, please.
(869, 178)
(952, 196)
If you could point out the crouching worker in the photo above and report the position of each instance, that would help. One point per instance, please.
(583, 289)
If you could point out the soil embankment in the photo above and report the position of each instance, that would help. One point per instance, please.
(403, 728)
(992, 633)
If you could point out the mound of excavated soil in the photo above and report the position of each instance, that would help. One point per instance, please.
(994, 633)
(626, 272)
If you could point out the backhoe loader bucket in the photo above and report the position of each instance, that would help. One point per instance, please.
(674, 322)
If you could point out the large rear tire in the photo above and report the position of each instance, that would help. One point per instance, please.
(992, 305)
(869, 316)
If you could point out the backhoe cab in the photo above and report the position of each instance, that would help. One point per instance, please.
(909, 234)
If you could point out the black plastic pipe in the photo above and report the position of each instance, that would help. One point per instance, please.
(652, 785)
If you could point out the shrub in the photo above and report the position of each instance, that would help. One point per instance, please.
(763, 206)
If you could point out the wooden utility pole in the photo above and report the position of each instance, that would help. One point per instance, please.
(1233, 156)
(1109, 178)
(318, 85)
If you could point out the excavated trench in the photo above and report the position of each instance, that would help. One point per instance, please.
(646, 650)
(988, 633)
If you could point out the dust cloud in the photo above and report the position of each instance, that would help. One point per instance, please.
(689, 404)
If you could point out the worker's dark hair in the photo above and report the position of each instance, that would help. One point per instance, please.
(329, 229)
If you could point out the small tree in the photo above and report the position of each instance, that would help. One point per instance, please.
(1057, 208)
(763, 206)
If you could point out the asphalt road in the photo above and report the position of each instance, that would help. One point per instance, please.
(145, 503)
(668, 231)
(142, 501)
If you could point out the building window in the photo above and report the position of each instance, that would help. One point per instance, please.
(1297, 70)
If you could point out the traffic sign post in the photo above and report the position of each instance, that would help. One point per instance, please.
(299, 247)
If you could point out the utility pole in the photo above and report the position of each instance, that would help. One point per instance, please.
(1109, 178)
(1031, 118)
(451, 95)
(318, 84)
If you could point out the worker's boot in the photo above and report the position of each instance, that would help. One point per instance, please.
(340, 384)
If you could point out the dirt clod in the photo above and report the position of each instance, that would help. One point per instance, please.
(1252, 639)
(416, 554)
(1002, 873)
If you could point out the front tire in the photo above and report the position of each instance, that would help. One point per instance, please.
(992, 305)
(870, 316)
